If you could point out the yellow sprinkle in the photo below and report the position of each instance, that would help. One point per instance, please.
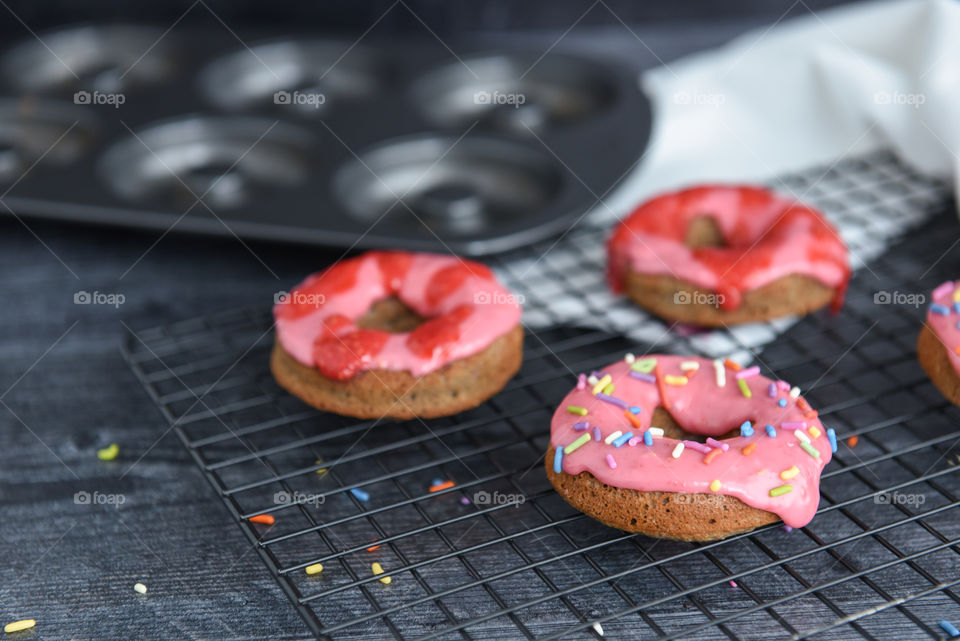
(322, 470)
(715, 485)
(377, 570)
(789, 473)
(956, 295)
(603, 382)
(744, 388)
(16, 626)
(108, 453)
(675, 380)
(814, 432)
(316, 568)
(139, 588)
(608, 390)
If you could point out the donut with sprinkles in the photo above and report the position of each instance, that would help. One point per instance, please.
(938, 346)
(688, 448)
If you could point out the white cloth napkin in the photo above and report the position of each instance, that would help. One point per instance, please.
(808, 91)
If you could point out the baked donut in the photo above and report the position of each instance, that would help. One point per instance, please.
(939, 341)
(719, 255)
(397, 334)
(687, 449)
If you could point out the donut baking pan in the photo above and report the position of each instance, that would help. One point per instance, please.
(313, 141)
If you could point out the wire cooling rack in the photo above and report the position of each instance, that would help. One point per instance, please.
(500, 556)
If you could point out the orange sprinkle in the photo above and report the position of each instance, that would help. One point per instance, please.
(712, 454)
(660, 387)
(690, 373)
(802, 403)
(748, 450)
(442, 486)
(735, 366)
(852, 441)
(957, 349)
(373, 547)
(633, 418)
(811, 414)
(265, 519)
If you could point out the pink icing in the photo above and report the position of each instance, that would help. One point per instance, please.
(489, 310)
(945, 325)
(700, 407)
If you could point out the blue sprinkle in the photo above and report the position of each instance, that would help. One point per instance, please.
(647, 438)
(746, 429)
(772, 433)
(956, 307)
(596, 433)
(958, 324)
(832, 437)
(782, 402)
(558, 460)
(578, 427)
(949, 628)
(617, 442)
(360, 494)
(937, 308)
(635, 410)
(437, 481)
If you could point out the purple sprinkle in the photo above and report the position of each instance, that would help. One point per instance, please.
(581, 381)
(596, 433)
(611, 462)
(750, 372)
(793, 425)
(715, 443)
(649, 378)
(783, 385)
(613, 400)
(633, 442)
(582, 425)
(772, 391)
(700, 447)
(464, 500)
(788, 528)
(597, 374)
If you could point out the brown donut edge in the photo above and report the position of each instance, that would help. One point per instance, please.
(935, 361)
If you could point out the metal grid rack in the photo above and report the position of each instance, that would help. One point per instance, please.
(500, 555)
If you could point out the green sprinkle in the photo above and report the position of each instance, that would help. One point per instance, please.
(644, 365)
(576, 409)
(809, 449)
(744, 389)
(108, 453)
(608, 390)
(577, 443)
(781, 490)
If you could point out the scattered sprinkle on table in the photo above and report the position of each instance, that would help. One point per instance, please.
(322, 470)
(360, 494)
(316, 568)
(949, 628)
(109, 452)
(263, 519)
(733, 584)
(377, 570)
(464, 500)
(597, 628)
(373, 547)
(17, 626)
(139, 588)
(443, 485)
(852, 441)
(788, 528)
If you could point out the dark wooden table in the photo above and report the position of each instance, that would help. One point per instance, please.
(66, 392)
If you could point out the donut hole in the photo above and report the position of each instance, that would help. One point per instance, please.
(704, 232)
(390, 315)
(672, 429)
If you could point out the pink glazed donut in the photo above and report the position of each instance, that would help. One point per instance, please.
(687, 448)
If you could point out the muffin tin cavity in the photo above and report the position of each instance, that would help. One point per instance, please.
(34, 132)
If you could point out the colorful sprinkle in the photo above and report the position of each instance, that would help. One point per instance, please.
(647, 438)
(852, 441)
(596, 433)
(746, 429)
(603, 382)
(782, 402)
(619, 442)
(465, 501)
(612, 437)
(633, 442)
(576, 409)
(789, 473)
(17, 626)
(608, 390)
(649, 378)
(750, 372)
(263, 519)
(316, 568)
(108, 453)
(656, 431)
(373, 548)
(677, 451)
(377, 571)
(611, 462)
(801, 436)
(670, 379)
(814, 431)
(633, 418)
(635, 410)
(793, 425)
(597, 628)
(436, 481)
(579, 427)
(139, 588)
(613, 400)
(360, 494)
(936, 308)
(787, 528)
(700, 447)
(772, 433)
(629, 358)
(772, 390)
(644, 365)
(802, 404)
(942, 289)
(689, 365)
(322, 470)
(748, 449)
(661, 389)
(442, 486)
(949, 628)
(712, 454)
(811, 414)
(794, 392)
(733, 584)
(570, 449)
(744, 389)
(781, 490)
(809, 449)
(581, 381)
(558, 460)
(715, 485)
(785, 386)
(591, 380)
(832, 437)
(721, 373)
(733, 365)
(712, 442)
